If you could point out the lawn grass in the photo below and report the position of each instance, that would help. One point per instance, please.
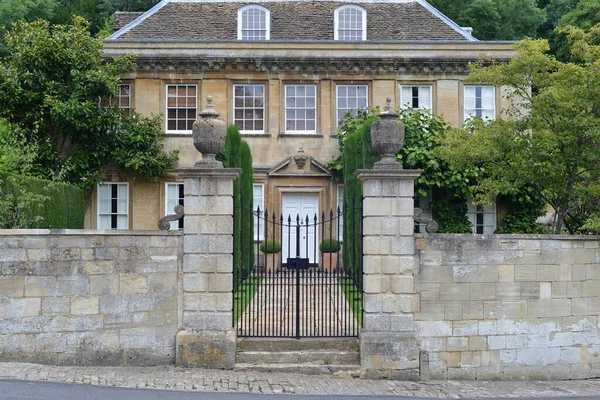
(244, 294)
(353, 297)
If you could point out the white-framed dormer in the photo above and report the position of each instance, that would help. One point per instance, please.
(254, 23)
(350, 23)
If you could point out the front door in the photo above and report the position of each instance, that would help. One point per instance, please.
(300, 205)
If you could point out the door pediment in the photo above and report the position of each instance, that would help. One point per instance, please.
(300, 164)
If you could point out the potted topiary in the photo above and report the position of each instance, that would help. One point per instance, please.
(271, 250)
(330, 249)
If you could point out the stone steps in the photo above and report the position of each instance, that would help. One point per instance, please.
(305, 356)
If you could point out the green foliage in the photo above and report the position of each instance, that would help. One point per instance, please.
(27, 202)
(270, 246)
(108, 7)
(236, 154)
(50, 84)
(452, 218)
(330, 246)
(525, 208)
(548, 140)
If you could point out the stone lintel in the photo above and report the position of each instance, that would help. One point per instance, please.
(222, 173)
(388, 174)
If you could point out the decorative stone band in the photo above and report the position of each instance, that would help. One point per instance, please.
(164, 222)
(431, 226)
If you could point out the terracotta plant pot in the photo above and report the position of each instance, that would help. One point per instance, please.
(271, 262)
(330, 262)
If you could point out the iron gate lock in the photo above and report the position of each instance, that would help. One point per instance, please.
(297, 263)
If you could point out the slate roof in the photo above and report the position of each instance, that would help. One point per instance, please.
(122, 18)
(216, 20)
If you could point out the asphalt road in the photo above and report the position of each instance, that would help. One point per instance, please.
(23, 390)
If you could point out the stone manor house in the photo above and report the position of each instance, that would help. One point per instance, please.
(285, 71)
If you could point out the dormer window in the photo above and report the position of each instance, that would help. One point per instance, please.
(254, 23)
(350, 23)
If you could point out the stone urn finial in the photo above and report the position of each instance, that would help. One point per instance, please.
(209, 135)
(300, 159)
(387, 137)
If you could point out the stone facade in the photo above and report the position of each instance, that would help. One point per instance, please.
(89, 297)
(509, 306)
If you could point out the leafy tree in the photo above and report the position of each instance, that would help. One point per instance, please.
(28, 10)
(452, 9)
(50, 86)
(87, 9)
(548, 140)
(502, 19)
(108, 7)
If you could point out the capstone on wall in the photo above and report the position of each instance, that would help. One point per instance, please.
(509, 306)
(89, 297)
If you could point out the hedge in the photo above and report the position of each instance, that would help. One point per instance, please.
(33, 203)
(236, 154)
(358, 153)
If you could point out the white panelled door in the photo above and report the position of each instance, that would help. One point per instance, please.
(300, 204)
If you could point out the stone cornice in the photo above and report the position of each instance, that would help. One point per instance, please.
(293, 57)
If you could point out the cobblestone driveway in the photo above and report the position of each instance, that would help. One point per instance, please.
(227, 381)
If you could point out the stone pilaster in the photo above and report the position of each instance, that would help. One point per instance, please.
(207, 338)
(388, 344)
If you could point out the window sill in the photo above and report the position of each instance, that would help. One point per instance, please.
(255, 134)
(303, 135)
(178, 134)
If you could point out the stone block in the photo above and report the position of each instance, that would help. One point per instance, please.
(220, 244)
(73, 286)
(38, 254)
(377, 322)
(377, 245)
(482, 291)
(402, 323)
(23, 307)
(507, 291)
(403, 207)
(137, 337)
(547, 273)
(591, 289)
(545, 290)
(430, 311)
(196, 206)
(162, 282)
(12, 286)
(195, 282)
(56, 305)
(400, 303)
(195, 244)
(11, 255)
(451, 359)
(525, 273)
(376, 206)
(98, 267)
(435, 274)
(373, 303)
(403, 245)
(220, 283)
(191, 187)
(388, 351)
(454, 291)
(453, 310)
(207, 321)
(506, 273)
(104, 284)
(199, 302)
(208, 186)
(473, 309)
(402, 284)
(38, 286)
(192, 224)
(465, 328)
(372, 284)
(464, 273)
(433, 328)
(488, 273)
(206, 350)
(133, 283)
(84, 305)
(458, 344)
(559, 290)
(578, 272)
(429, 291)
(219, 205)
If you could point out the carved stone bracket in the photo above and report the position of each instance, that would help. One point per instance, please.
(164, 222)
(431, 226)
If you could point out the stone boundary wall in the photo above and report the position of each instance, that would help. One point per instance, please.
(509, 306)
(89, 297)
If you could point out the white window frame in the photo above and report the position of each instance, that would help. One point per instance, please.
(489, 210)
(170, 210)
(241, 11)
(167, 108)
(258, 235)
(474, 107)
(337, 101)
(99, 215)
(336, 19)
(120, 97)
(255, 132)
(339, 191)
(286, 108)
(404, 101)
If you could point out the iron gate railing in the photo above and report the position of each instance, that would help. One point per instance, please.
(306, 290)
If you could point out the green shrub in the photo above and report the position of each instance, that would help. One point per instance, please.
(452, 218)
(270, 246)
(330, 246)
(27, 202)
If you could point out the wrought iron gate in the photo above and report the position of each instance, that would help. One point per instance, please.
(286, 295)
